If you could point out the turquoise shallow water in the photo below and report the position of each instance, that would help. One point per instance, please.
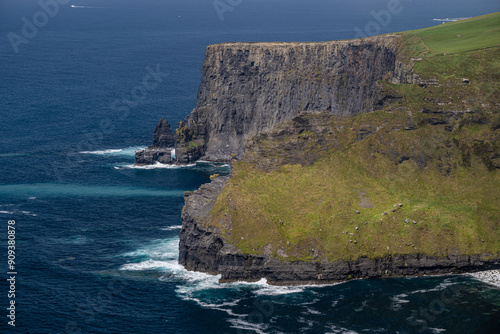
(97, 239)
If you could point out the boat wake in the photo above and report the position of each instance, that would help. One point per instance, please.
(451, 19)
(74, 6)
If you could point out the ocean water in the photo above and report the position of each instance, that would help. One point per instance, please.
(97, 238)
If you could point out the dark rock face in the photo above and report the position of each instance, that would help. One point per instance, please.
(152, 155)
(198, 246)
(249, 87)
(162, 136)
(302, 140)
(202, 248)
(163, 145)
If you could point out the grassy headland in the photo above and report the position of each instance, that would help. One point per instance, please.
(420, 176)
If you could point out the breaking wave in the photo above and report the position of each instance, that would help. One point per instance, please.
(129, 151)
(171, 228)
(157, 165)
(491, 277)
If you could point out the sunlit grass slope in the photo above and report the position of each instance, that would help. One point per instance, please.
(424, 179)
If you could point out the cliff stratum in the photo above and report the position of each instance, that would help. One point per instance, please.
(247, 88)
(351, 159)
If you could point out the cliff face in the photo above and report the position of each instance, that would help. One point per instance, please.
(249, 87)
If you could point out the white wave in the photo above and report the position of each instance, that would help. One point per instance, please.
(491, 277)
(161, 255)
(441, 286)
(157, 165)
(158, 250)
(29, 213)
(310, 310)
(212, 164)
(264, 289)
(398, 300)
(340, 330)
(32, 198)
(146, 265)
(224, 306)
(7, 212)
(129, 151)
(201, 288)
(241, 324)
(171, 228)
(110, 151)
(451, 19)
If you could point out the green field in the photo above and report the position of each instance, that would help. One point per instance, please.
(433, 189)
(473, 34)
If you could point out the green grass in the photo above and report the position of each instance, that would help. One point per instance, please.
(297, 208)
(462, 36)
(449, 185)
(453, 51)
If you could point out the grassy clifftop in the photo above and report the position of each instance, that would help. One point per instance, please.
(420, 176)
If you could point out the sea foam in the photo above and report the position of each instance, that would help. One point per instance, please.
(171, 228)
(128, 151)
(491, 277)
(157, 165)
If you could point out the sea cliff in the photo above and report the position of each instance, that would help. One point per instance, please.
(247, 88)
(350, 159)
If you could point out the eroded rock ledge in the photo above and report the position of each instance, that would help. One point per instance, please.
(202, 248)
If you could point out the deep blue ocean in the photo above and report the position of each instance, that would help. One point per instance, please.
(82, 87)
